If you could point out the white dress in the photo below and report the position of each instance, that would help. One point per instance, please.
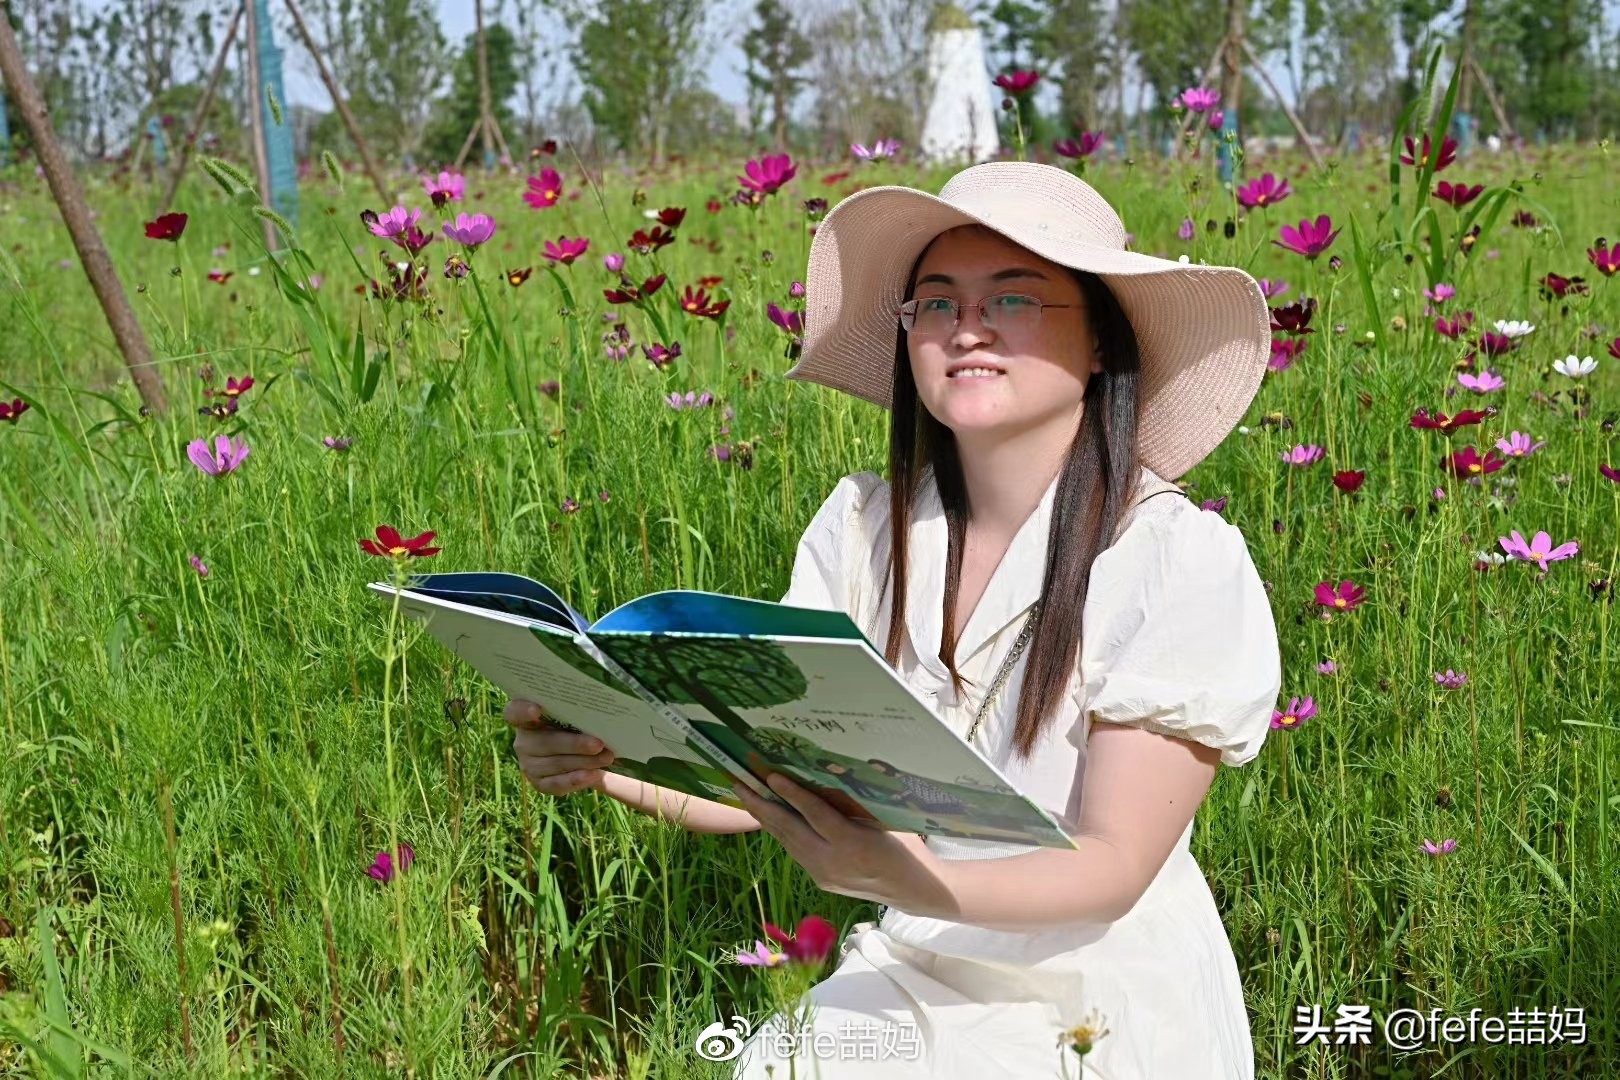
(1178, 638)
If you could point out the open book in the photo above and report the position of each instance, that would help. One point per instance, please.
(690, 689)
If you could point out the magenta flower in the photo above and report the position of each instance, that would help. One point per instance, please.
(446, 187)
(1199, 99)
(1605, 258)
(1082, 147)
(1451, 680)
(810, 943)
(339, 444)
(1299, 710)
(1303, 455)
(1483, 383)
(470, 230)
(1494, 344)
(1440, 293)
(661, 356)
(1271, 289)
(1518, 444)
(767, 175)
(1445, 847)
(226, 456)
(1217, 119)
(1327, 667)
(1215, 505)
(1018, 83)
(1308, 239)
(1448, 152)
(197, 565)
(1185, 232)
(691, 400)
(796, 290)
(565, 251)
(1346, 596)
(1266, 191)
(1539, 550)
(613, 261)
(881, 149)
(791, 321)
(1610, 472)
(545, 189)
(383, 867)
(1458, 195)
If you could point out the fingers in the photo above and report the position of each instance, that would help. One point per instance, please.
(522, 714)
(566, 783)
(547, 742)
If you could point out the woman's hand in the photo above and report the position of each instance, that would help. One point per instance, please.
(848, 857)
(555, 761)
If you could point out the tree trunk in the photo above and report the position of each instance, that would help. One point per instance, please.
(98, 265)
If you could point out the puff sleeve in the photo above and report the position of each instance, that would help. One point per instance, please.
(827, 557)
(1178, 636)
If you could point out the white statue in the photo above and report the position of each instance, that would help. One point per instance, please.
(960, 127)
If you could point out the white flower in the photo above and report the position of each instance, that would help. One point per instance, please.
(1243, 429)
(1395, 292)
(1513, 328)
(1495, 558)
(650, 215)
(253, 271)
(1576, 367)
(1184, 260)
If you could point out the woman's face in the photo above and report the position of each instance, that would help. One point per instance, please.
(1043, 367)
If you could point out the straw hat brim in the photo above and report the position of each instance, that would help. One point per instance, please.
(1203, 332)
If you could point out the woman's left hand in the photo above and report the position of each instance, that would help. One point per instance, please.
(848, 857)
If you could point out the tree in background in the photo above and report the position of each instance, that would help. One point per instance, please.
(1172, 42)
(391, 59)
(636, 57)
(776, 52)
(1078, 46)
(869, 71)
(455, 115)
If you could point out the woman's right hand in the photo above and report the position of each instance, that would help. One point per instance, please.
(555, 761)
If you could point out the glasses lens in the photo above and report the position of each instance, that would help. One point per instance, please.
(1013, 313)
(934, 317)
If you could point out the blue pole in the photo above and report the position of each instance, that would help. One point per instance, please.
(5, 132)
(154, 131)
(1223, 150)
(278, 143)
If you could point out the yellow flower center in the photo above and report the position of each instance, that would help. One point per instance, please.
(1339, 602)
(1534, 554)
(399, 551)
(1475, 468)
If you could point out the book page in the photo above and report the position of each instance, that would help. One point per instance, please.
(546, 665)
(833, 715)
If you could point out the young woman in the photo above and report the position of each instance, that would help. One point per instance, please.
(1032, 568)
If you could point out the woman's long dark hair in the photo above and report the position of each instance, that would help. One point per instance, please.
(1095, 485)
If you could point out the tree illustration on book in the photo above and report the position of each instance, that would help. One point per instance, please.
(719, 674)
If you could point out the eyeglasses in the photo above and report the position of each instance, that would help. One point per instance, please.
(1008, 313)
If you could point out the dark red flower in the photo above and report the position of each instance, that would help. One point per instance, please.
(1448, 152)
(629, 294)
(390, 545)
(698, 303)
(811, 943)
(1448, 424)
(1467, 464)
(1458, 195)
(1349, 480)
(13, 412)
(1554, 286)
(166, 227)
(1018, 83)
(645, 243)
(671, 216)
(1293, 318)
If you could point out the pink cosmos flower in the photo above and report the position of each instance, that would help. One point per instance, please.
(1539, 550)
(1263, 192)
(545, 189)
(762, 956)
(1483, 383)
(198, 565)
(1214, 505)
(1199, 99)
(1308, 239)
(470, 230)
(883, 148)
(791, 321)
(1346, 596)
(393, 224)
(613, 261)
(1445, 847)
(1605, 258)
(1327, 667)
(1272, 288)
(766, 175)
(1440, 293)
(1451, 680)
(226, 456)
(446, 187)
(1186, 230)
(1518, 444)
(1299, 710)
(565, 251)
(1303, 455)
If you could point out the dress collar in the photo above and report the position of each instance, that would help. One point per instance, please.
(1013, 587)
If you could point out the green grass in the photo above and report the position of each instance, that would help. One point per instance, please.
(269, 709)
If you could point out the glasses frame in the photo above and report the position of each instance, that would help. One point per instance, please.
(902, 314)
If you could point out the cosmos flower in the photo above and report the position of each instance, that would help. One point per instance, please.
(226, 456)
(545, 189)
(1265, 191)
(1483, 383)
(1445, 847)
(384, 867)
(470, 230)
(1082, 147)
(1346, 596)
(565, 251)
(1519, 445)
(1018, 83)
(1199, 99)
(166, 227)
(1308, 239)
(1576, 367)
(1299, 710)
(1539, 550)
(390, 545)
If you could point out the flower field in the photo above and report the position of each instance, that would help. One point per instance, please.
(253, 822)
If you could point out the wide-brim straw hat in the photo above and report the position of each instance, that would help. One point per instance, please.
(1204, 332)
